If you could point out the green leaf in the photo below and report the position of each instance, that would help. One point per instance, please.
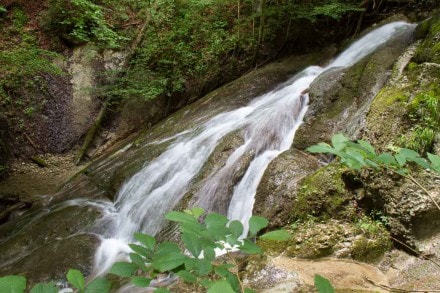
(175, 216)
(407, 153)
(248, 290)
(12, 284)
(367, 147)
(214, 220)
(338, 141)
(192, 243)
(277, 235)
(421, 162)
(221, 271)
(123, 269)
(386, 159)
(161, 290)
(209, 253)
(321, 147)
(195, 212)
(140, 281)
(257, 223)
(147, 240)
(193, 228)
(401, 159)
(187, 276)
(323, 285)
(43, 288)
(220, 287)
(138, 260)
(232, 279)
(140, 250)
(98, 285)
(203, 267)
(168, 257)
(236, 228)
(76, 278)
(435, 162)
(249, 247)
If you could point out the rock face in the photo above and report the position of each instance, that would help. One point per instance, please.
(276, 194)
(339, 98)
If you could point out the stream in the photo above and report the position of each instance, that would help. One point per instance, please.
(267, 124)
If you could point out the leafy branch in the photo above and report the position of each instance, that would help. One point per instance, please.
(361, 154)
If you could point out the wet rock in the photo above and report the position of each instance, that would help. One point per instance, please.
(36, 229)
(277, 191)
(51, 261)
(339, 98)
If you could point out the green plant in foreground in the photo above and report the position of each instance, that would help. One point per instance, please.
(361, 154)
(196, 262)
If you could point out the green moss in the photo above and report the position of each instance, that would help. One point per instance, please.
(429, 49)
(323, 195)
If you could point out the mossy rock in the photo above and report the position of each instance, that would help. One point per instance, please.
(324, 195)
(340, 98)
(429, 50)
(35, 230)
(278, 188)
(51, 261)
(364, 240)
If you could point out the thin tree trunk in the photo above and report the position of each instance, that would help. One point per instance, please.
(91, 133)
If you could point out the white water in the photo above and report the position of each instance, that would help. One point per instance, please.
(268, 124)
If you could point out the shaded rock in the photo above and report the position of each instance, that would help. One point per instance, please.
(51, 261)
(411, 213)
(38, 228)
(277, 191)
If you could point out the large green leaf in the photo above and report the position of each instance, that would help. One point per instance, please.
(249, 247)
(435, 162)
(257, 223)
(140, 281)
(221, 287)
(141, 250)
(236, 228)
(323, 285)
(338, 141)
(123, 269)
(168, 257)
(386, 159)
(147, 240)
(369, 149)
(98, 285)
(321, 147)
(187, 276)
(138, 260)
(209, 253)
(407, 153)
(196, 212)
(192, 243)
(203, 267)
(12, 284)
(180, 217)
(277, 235)
(44, 288)
(76, 278)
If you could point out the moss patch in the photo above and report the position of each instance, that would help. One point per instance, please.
(323, 195)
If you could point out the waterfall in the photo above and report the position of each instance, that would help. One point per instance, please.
(268, 125)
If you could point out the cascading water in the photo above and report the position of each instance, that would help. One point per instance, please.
(268, 125)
